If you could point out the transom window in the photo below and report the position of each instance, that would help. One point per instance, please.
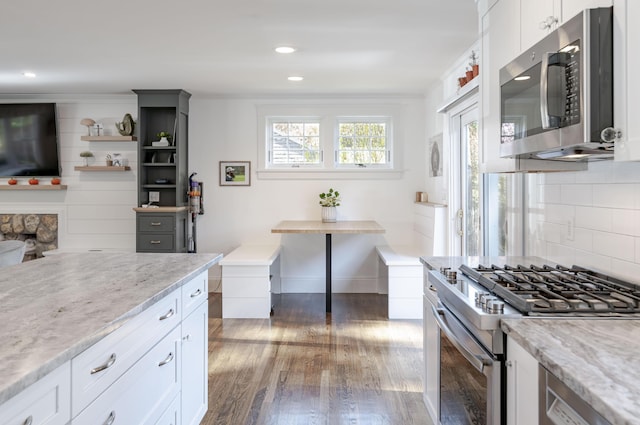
(363, 142)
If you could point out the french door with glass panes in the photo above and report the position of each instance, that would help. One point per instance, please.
(467, 183)
(486, 209)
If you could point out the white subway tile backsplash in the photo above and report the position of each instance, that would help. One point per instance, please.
(625, 270)
(576, 194)
(558, 214)
(614, 245)
(625, 222)
(615, 195)
(594, 218)
(601, 263)
(549, 194)
(626, 172)
(553, 232)
(598, 173)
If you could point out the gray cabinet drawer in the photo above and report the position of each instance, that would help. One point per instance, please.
(156, 223)
(148, 242)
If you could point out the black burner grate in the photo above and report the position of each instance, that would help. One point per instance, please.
(557, 289)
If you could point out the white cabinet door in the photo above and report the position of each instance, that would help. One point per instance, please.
(195, 365)
(537, 19)
(626, 59)
(522, 386)
(45, 402)
(500, 44)
(431, 352)
(142, 394)
(571, 8)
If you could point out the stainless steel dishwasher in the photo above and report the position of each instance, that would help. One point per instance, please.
(560, 405)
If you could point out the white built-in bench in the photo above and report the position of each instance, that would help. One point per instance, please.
(250, 273)
(401, 274)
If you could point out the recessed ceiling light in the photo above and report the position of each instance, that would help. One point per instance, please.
(285, 49)
(522, 78)
(29, 74)
(295, 78)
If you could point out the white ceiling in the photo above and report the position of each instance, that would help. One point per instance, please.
(216, 47)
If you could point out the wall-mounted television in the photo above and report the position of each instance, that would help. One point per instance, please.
(28, 140)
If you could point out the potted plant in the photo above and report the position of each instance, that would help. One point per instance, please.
(475, 68)
(165, 138)
(86, 155)
(109, 161)
(329, 201)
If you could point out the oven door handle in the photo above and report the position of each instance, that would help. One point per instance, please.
(477, 361)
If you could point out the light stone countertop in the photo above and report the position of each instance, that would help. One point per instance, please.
(598, 359)
(53, 308)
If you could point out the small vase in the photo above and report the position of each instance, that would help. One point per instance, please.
(329, 214)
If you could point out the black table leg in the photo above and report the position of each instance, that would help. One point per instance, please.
(328, 271)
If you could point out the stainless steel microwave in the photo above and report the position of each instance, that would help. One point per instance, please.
(557, 96)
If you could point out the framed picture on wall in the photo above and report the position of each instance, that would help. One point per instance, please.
(235, 173)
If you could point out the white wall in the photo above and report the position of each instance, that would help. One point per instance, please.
(603, 205)
(95, 212)
(226, 130)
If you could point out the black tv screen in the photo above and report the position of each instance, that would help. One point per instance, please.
(28, 140)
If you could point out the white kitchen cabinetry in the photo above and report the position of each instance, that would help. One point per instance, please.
(539, 17)
(431, 351)
(503, 39)
(626, 59)
(500, 44)
(195, 342)
(46, 402)
(522, 385)
(142, 394)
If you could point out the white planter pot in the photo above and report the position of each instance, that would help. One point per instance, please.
(329, 214)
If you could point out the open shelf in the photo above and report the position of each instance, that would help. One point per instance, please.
(33, 187)
(101, 168)
(109, 138)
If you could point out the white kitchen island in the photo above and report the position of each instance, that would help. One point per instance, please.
(90, 337)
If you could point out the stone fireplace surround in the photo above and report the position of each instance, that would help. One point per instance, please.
(39, 231)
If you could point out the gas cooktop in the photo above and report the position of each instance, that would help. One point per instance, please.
(545, 289)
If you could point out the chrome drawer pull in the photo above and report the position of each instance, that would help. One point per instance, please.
(169, 314)
(107, 365)
(167, 360)
(111, 418)
(156, 223)
(28, 421)
(154, 242)
(197, 293)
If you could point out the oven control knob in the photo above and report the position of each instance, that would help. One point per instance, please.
(495, 306)
(480, 297)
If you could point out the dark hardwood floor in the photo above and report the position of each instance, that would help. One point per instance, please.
(303, 367)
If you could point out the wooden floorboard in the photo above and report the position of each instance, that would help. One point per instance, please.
(303, 366)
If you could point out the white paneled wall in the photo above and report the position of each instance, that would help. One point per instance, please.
(95, 212)
(589, 218)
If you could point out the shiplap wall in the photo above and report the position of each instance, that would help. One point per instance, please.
(95, 212)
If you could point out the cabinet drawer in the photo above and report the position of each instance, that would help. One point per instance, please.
(156, 223)
(95, 369)
(172, 414)
(195, 292)
(158, 242)
(142, 394)
(46, 402)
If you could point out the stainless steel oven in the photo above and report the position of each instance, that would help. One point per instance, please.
(470, 376)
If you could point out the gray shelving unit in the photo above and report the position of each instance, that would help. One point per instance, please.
(163, 169)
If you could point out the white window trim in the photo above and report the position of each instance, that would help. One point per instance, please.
(329, 115)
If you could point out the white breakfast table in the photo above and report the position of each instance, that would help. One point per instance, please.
(339, 227)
